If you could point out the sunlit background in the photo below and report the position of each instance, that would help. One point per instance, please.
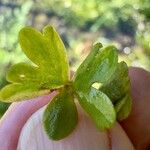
(124, 23)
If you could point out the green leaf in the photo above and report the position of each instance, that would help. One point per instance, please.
(99, 108)
(58, 51)
(60, 116)
(46, 51)
(20, 92)
(123, 107)
(118, 90)
(50, 69)
(97, 67)
(118, 85)
(23, 72)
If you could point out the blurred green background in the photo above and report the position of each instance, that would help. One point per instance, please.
(124, 23)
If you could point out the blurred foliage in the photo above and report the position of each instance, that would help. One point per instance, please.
(10, 23)
(145, 8)
(124, 23)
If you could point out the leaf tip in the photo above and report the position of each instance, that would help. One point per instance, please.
(98, 45)
(24, 30)
(48, 29)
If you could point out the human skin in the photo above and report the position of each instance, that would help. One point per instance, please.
(136, 125)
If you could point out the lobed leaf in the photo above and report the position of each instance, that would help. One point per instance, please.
(46, 51)
(51, 71)
(99, 107)
(60, 116)
(99, 66)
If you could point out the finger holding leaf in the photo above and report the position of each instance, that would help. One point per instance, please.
(50, 71)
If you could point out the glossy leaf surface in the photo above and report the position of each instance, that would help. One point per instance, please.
(99, 107)
(99, 66)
